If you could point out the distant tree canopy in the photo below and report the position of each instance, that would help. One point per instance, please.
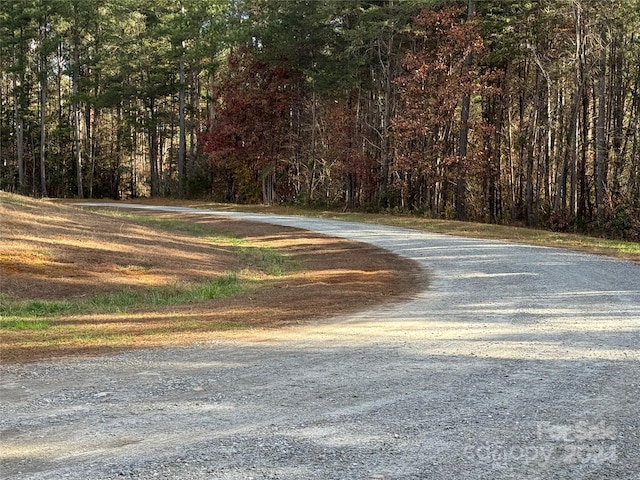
(500, 111)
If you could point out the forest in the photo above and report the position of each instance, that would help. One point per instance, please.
(504, 111)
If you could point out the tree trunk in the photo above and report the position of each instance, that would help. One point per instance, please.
(634, 128)
(529, 194)
(461, 190)
(617, 95)
(385, 58)
(77, 115)
(43, 110)
(313, 154)
(19, 135)
(77, 133)
(153, 150)
(511, 171)
(601, 147)
(269, 186)
(182, 147)
(569, 163)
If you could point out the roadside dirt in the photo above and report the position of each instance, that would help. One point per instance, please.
(57, 252)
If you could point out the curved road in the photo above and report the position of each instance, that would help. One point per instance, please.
(517, 362)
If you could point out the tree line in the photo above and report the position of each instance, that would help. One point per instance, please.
(524, 112)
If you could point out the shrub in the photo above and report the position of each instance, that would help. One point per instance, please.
(560, 220)
(619, 225)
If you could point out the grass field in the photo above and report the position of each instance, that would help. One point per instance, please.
(76, 282)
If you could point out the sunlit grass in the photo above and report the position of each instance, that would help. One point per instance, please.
(145, 315)
(531, 236)
(573, 241)
(12, 310)
(36, 314)
(21, 324)
(268, 260)
(12, 199)
(173, 224)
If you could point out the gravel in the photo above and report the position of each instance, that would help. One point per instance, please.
(516, 362)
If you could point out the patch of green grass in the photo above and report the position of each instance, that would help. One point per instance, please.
(20, 324)
(12, 199)
(226, 286)
(174, 225)
(34, 308)
(268, 260)
(632, 248)
(23, 315)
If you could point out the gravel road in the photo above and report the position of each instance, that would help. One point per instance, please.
(516, 362)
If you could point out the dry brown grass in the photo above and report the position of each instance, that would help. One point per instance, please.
(53, 252)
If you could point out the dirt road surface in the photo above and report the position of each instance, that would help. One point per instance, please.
(516, 362)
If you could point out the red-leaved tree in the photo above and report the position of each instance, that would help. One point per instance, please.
(248, 139)
(438, 75)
